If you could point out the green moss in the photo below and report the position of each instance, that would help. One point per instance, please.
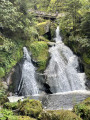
(83, 109)
(58, 115)
(41, 38)
(40, 54)
(9, 105)
(30, 108)
(25, 118)
(43, 27)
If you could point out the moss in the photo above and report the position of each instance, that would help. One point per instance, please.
(30, 108)
(25, 118)
(43, 27)
(83, 109)
(40, 54)
(58, 115)
(41, 38)
(9, 105)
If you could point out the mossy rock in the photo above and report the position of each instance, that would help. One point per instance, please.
(43, 27)
(11, 105)
(40, 54)
(25, 118)
(83, 109)
(58, 115)
(41, 38)
(30, 108)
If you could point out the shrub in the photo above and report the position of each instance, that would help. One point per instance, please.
(2, 72)
(3, 96)
(6, 114)
(83, 109)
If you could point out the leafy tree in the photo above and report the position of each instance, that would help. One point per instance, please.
(72, 7)
(85, 25)
(9, 16)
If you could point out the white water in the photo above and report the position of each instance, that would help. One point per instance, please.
(28, 85)
(61, 73)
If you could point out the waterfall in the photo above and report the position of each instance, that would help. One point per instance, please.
(62, 74)
(27, 85)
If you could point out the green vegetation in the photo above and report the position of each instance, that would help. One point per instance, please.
(30, 108)
(39, 52)
(7, 114)
(11, 106)
(83, 109)
(19, 28)
(25, 118)
(58, 115)
(3, 96)
(43, 27)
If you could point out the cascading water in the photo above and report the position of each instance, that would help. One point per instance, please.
(28, 85)
(62, 74)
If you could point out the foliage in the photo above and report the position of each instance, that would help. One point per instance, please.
(9, 105)
(3, 96)
(2, 72)
(58, 115)
(39, 52)
(9, 17)
(30, 108)
(85, 24)
(10, 54)
(7, 115)
(83, 109)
